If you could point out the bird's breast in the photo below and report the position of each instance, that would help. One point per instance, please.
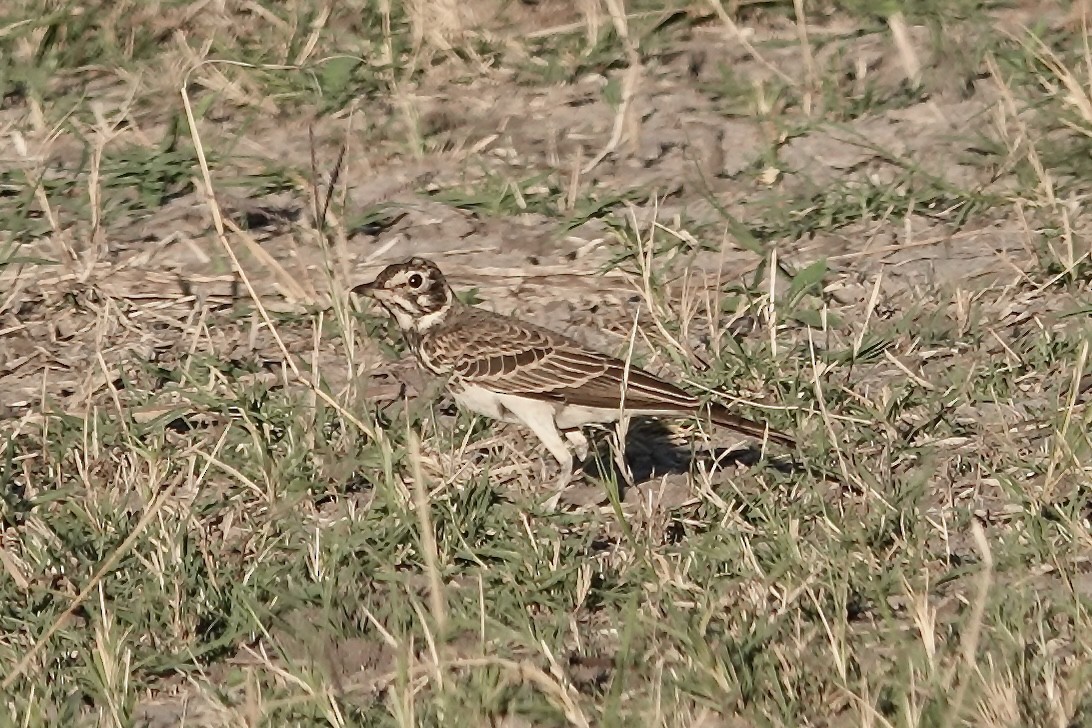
(427, 357)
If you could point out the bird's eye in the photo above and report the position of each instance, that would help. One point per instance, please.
(416, 280)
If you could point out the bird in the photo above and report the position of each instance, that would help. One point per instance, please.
(510, 370)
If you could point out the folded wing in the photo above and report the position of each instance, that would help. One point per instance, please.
(529, 361)
(532, 363)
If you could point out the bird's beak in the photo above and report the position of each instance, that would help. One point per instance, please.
(365, 289)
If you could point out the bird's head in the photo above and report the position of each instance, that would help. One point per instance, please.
(414, 292)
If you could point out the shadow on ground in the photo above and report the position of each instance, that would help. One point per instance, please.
(654, 449)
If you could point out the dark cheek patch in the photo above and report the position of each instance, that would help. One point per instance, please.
(431, 302)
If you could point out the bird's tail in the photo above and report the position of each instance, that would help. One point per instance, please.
(722, 416)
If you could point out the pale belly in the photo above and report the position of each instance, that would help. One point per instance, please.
(502, 407)
(483, 402)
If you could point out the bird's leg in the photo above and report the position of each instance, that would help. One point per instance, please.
(538, 417)
(579, 442)
(427, 394)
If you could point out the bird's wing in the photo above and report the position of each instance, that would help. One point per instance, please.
(528, 361)
(512, 357)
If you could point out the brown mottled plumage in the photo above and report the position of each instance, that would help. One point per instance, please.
(504, 368)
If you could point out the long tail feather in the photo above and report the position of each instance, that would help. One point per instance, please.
(722, 416)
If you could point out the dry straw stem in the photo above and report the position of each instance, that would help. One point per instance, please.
(737, 35)
(438, 21)
(1076, 91)
(820, 399)
(907, 54)
(592, 21)
(973, 629)
(421, 503)
(218, 222)
(661, 314)
(556, 687)
(622, 426)
(626, 119)
(1010, 110)
(108, 564)
(805, 44)
(1024, 140)
(645, 253)
(1062, 450)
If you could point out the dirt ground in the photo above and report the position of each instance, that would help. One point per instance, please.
(876, 220)
(681, 156)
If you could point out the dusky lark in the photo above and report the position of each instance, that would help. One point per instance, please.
(514, 371)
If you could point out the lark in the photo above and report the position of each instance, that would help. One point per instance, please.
(510, 370)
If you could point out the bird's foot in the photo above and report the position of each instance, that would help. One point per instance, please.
(579, 442)
(564, 478)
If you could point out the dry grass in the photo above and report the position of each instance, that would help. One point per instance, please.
(229, 501)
